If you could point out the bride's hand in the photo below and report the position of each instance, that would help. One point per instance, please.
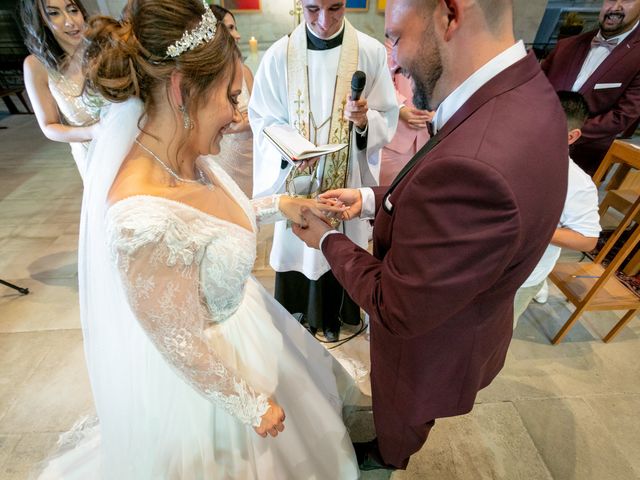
(272, 421)
(291, 207)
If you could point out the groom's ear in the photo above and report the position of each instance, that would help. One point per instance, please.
(175, 89)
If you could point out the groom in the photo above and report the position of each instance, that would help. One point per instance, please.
(460, 228)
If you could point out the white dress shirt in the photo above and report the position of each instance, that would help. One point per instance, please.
(596, 56)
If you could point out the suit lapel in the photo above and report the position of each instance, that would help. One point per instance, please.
(581, 52)
(614, 58)
(510, 78)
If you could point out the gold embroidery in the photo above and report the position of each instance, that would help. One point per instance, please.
(299, 123)
(336, 165)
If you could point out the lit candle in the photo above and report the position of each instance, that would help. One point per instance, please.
(253, 45)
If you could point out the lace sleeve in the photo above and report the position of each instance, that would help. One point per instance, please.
(158, 259)
(267, 209)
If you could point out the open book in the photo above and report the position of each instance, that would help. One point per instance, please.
(294, 146)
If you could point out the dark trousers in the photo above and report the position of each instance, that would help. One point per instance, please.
(323, 302)
(397, 440)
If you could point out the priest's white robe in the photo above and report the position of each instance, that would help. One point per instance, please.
(269, 106)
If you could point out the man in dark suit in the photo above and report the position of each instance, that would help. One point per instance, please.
(604, 66)
(460, 228)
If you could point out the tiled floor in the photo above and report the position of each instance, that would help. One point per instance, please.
(561, 412)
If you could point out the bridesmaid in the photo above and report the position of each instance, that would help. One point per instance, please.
(53, 31)
(236, 147)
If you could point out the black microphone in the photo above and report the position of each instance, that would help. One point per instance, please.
(358, 81)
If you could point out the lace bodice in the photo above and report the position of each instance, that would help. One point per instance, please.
(184, 271)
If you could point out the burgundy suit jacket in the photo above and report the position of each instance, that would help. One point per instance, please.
(613, 110)
(469, 222)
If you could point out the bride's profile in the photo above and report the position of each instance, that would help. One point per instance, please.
(197, 373)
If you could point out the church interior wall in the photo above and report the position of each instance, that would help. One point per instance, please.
(275, 21)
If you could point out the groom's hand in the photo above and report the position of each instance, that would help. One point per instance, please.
(313, 231)
(272, 421)
(349, 197)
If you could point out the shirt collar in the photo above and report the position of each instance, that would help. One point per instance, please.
(316, 43)
(471, 85)
(620, 38)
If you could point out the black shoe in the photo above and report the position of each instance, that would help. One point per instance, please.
(331, 336)
(369, 457)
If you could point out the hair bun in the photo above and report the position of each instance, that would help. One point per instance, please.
(111, 59)
(129, 58)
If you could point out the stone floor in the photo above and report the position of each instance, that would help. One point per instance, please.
(555, 412)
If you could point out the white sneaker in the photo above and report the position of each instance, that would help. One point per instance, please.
(543, 295)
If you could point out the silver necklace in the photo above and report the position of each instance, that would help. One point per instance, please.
(201, 181)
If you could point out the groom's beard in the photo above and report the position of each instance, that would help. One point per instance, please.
(426, 71)
(423, 90)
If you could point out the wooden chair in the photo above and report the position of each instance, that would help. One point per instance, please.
(621, 200)
(18, 92)
(12, 55)
(626, 154)
(589, 285)
(623, 188)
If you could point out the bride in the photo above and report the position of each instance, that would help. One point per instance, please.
(197, 373)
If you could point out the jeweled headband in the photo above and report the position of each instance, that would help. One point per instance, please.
(204, 31)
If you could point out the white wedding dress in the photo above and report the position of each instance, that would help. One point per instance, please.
(184, 346)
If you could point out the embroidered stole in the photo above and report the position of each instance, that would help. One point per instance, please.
(336, 165)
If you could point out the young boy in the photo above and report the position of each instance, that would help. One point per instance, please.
(579, 225)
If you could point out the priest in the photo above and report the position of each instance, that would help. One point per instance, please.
(304, 80)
